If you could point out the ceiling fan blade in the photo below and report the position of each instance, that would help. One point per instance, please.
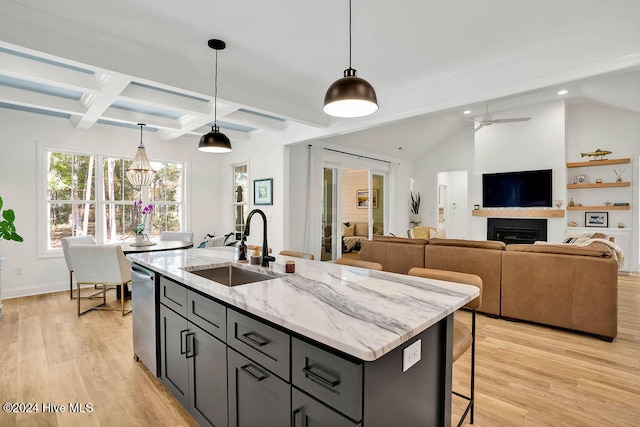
(520, 119)
(480, 126)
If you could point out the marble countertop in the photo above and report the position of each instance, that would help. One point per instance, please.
(363, 313)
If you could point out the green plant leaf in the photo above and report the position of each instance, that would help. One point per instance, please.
(0, 203)
(16, 237)
(9, 215)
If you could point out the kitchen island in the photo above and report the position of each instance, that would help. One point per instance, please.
(338, 345)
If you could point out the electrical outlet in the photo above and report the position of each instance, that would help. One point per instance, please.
(18, 271)
(411, 355)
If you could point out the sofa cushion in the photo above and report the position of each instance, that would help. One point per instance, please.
(362, 229)
(479, 244)
(394, 239)
(595, 249)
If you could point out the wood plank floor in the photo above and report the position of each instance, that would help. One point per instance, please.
(526, 375)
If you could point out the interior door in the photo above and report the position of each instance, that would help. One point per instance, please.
(331, 233)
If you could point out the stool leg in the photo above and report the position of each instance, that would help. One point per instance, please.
(473, 362)
(71, 285)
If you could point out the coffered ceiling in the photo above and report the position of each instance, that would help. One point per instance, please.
(124, 62)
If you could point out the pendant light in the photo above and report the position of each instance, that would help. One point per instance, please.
(140, 172)
(214, 141)
(350, 96)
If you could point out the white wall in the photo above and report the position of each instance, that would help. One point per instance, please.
(454, 154)
(536, 144)
(21, 133)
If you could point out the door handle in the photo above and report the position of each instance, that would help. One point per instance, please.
(327, 382)
(258, 377)
(259, 340)
(182, 340)
(193, 345)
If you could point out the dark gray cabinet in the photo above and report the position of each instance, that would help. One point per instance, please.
(256, 396)
(307, 412)
(194, 367)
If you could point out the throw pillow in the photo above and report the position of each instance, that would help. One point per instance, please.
(349, 231)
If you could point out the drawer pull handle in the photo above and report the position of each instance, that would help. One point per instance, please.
(259, 341)
(259, 377)
(313, 376)
(296, 414)
(193, 345)
(183, 341)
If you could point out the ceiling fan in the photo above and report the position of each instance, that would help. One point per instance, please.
(488, 120)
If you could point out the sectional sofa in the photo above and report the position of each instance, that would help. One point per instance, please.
(567, 286)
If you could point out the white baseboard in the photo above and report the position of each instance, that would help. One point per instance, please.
(34, 290)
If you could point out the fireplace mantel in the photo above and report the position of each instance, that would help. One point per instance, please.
(518, 213)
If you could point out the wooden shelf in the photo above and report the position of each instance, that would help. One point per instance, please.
(599, 163)
(598, 208)
(601, 185)
(524, 212)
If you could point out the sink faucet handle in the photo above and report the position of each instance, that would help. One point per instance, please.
(267, 259)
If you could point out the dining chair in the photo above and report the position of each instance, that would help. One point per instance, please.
(359, 263)
(463, 338)
(102, 265)
(182, 236)
(66, 242)
(297, 254)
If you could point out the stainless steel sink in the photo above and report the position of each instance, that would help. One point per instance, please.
(232, 276)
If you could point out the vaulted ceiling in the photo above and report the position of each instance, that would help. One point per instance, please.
(144, 61)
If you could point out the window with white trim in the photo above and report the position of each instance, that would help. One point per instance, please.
(90, 194)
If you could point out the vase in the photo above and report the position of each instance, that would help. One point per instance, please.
(139, 239)
(415, 218)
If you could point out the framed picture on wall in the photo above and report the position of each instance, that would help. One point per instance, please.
(263, 191)
(596, 219)
(362, 199)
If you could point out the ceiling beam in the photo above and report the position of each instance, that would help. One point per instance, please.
(27, 98)
(255, 121)
(97, 103)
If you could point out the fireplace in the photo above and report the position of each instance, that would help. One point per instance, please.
(511, 230)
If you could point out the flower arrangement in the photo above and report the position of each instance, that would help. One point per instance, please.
(140, 211)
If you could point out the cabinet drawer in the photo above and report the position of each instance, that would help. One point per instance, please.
(208, 314)
(173, 296)
(261, 343)
(327, 377)
(309, 412)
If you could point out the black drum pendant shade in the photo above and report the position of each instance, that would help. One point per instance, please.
(350, 96)
(214, 141)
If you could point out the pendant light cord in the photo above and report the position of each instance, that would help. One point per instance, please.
(349, 33)
(215, 94)
(141, 126)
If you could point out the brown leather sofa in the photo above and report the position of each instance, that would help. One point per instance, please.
(559, 285)
(565, 286)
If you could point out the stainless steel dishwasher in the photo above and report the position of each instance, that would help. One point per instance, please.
(144, 298)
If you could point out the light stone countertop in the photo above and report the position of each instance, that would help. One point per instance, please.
(363, 313)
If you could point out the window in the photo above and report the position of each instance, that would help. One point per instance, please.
(71, 202)
(90, 194)
(240, 196)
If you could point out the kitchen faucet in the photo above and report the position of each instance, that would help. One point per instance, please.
(266, 258)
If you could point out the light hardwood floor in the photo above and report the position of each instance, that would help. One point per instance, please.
(526, 375)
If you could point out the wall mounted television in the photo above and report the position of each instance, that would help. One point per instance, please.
(517, 189)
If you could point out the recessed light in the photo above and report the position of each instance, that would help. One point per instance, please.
(563, 92)
(467, 112)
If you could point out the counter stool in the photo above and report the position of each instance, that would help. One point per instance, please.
(463, 338)
(297, 254)
(359, 263)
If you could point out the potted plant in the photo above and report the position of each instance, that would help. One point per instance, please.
(140, 214)
(7, 232)
(415, 208)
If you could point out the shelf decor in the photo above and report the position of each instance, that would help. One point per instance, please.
(596, 219)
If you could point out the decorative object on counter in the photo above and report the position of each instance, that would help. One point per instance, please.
(607, 203)
(140, 172)
(7, 232)
(581, 179)
(558, 203)
(256, 259)
(595, 154)
(215, 141)
(598, 180)
(621, 225)
(571, 202)
(573, 224)
(263, 191)
(350, 96)
(138, 230)
(290, 266)
(619, 173)
(596, 219)
(242, 251)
